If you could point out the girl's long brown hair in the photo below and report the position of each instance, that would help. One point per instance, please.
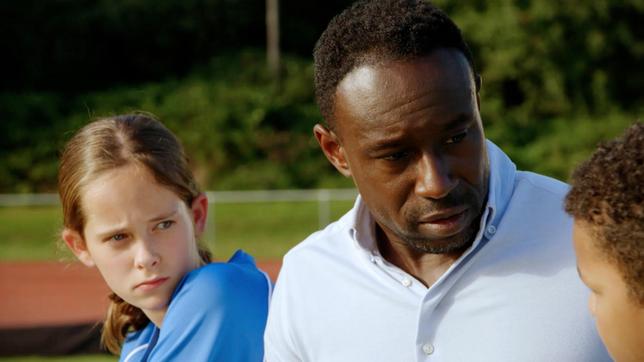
(110, 143)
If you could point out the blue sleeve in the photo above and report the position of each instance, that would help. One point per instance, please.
(136, 344)
(218, 313)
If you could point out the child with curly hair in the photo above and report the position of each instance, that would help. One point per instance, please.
(607, 203)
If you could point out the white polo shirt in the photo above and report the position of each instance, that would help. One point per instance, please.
(513, 296)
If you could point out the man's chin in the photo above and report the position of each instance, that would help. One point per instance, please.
(446, 245)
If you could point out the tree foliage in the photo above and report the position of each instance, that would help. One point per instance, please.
(557, 78)
(239, 130)
(556, 74)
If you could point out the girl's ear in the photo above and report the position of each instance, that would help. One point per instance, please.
(200, 213)
(76, 244)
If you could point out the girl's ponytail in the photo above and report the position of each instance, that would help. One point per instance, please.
(121, 318)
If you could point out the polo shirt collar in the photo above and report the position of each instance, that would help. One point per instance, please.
(362, 227)
(501, 183)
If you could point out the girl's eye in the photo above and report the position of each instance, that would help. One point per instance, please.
(118, 237)
(456, 139)
(165, 224)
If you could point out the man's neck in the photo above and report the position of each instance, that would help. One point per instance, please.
(426, 267)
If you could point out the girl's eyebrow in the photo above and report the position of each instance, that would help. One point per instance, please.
(103, 234)
(121, 229)
(165, 215)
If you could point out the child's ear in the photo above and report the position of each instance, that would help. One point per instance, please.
(200, 213)
(76, 244)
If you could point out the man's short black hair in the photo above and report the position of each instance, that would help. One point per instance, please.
(379, 30)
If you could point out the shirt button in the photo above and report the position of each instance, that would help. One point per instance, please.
(406, 282)
(428, 348)
(491, 229)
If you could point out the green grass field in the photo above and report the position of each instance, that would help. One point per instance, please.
(265, 230)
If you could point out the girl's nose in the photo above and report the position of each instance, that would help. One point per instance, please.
(146, 257)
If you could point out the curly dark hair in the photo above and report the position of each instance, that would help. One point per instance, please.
(607, 193)
(380, 30)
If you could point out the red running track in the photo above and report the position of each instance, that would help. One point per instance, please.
(34, 294)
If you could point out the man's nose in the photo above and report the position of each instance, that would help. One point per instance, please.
(434, 179)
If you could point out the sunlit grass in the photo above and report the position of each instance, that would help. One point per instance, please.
(30, 233)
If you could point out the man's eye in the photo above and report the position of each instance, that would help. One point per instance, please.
(456, 139)
(165, 224)
(396, 156)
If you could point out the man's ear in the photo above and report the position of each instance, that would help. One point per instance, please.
(199, 209)
(76, 244)
(333, 150)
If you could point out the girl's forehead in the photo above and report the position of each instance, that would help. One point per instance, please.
(127, 192)
(115, 178)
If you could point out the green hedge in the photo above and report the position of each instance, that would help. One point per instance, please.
(244, 132)
(240, 129)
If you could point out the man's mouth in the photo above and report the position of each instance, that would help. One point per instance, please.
(443, 216)
(446, 222)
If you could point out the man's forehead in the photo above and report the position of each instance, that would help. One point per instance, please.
(362, 78)
(436, 61)
(380, 90)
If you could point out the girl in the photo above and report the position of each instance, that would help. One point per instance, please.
(132, 209)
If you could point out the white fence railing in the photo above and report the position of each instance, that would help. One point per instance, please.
(322, 196)
(8, 200)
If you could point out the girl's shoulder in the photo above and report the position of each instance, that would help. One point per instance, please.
(239, 268)
(217, 312)
(237, 281)
(136, 343)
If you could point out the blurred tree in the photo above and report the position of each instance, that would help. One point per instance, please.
(557, 77)
(548, 58)
(81, 45)
(545, 61)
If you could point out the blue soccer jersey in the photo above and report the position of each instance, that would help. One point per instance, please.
(217, 313)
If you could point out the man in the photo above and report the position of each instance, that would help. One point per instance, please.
(608, 232)
(449, 253)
